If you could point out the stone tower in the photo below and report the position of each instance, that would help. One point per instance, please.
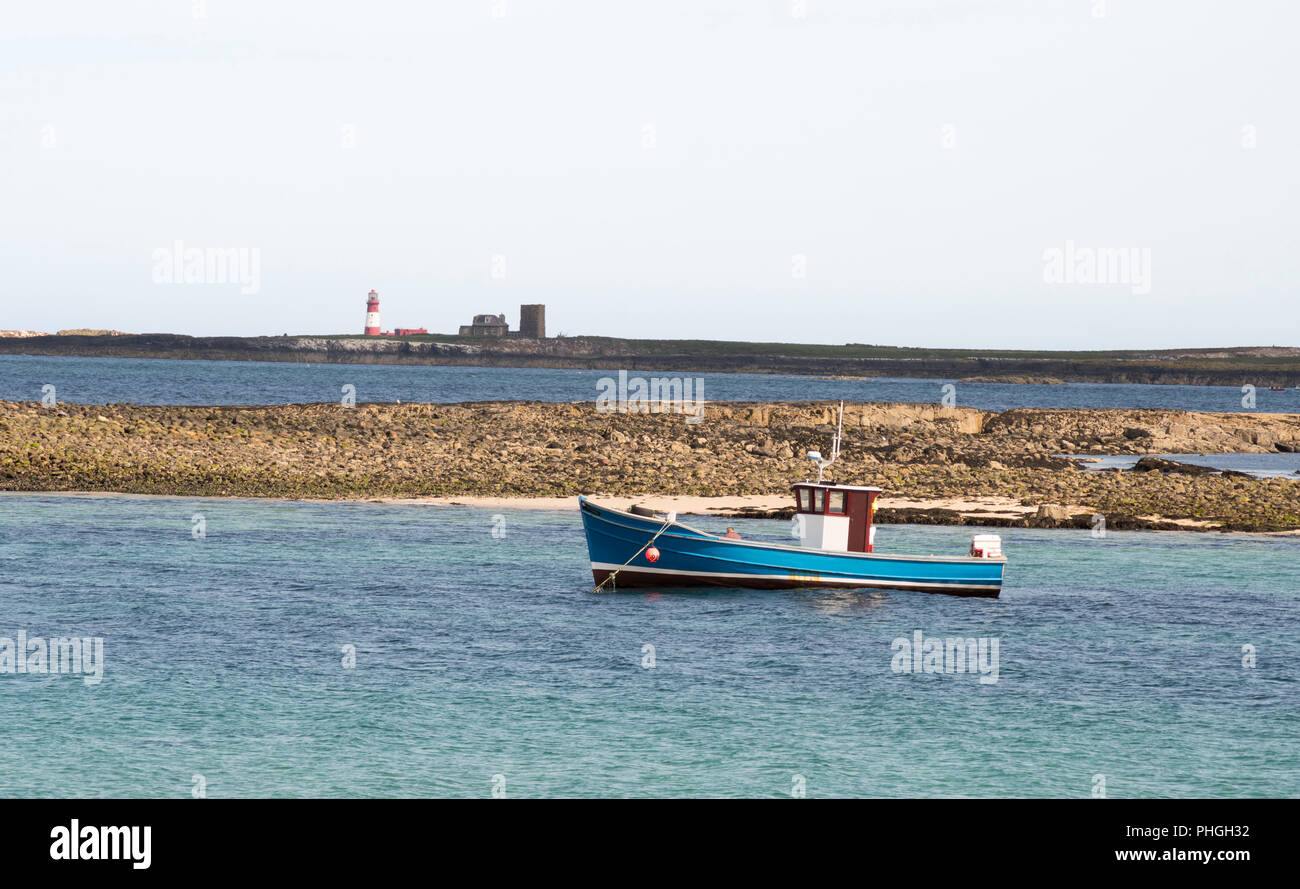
(532, 322)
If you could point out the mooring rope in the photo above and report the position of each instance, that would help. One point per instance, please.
(614, 573)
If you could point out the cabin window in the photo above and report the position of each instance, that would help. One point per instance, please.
(819, 500)
(835, 503)
(805, 500)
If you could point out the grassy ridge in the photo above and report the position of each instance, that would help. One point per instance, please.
(1259, 366)
(703, 348)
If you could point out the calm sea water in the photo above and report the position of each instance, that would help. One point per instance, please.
(1258, 465)
(479, 657)
(159, 381)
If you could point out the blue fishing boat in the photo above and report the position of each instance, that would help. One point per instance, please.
(835, 548)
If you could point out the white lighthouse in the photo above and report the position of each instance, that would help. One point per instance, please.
(372, 314)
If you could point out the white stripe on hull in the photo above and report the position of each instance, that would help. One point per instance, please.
(804, 579)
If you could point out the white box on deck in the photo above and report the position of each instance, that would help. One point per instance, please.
(825, 531)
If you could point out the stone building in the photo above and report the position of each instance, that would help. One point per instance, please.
(532, 321)
(532, 324)
(486, 325)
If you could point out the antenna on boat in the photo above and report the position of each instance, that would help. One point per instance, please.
(816, 456)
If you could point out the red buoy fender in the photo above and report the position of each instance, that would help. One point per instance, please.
(652, 554)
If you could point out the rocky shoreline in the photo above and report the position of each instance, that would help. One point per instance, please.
(992, 468)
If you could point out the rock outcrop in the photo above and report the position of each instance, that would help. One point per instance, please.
(923, 452)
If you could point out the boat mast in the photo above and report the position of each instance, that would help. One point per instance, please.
(835, 447)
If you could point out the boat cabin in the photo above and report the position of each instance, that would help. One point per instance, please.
(835, 517)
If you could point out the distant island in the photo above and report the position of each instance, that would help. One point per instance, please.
(1257, 365)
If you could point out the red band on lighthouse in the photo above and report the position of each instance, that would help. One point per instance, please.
(372, 314)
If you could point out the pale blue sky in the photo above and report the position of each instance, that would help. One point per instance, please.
(655, 168)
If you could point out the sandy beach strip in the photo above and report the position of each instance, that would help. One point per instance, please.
(682, 505)
(972, 508)
(1001, 507)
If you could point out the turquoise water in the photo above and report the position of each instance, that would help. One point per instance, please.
(479, 656)
(162, 381)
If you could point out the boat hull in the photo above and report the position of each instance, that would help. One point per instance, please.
(688, 557)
